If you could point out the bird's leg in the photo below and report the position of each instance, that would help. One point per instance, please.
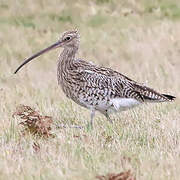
(105, 113)
(108, 117)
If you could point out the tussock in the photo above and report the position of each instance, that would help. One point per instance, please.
(33, 122)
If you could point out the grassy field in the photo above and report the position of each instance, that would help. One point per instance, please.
(139, 38)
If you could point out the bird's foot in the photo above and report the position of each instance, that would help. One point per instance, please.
(110, 120)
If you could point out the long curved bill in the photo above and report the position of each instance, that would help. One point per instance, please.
(53, 46)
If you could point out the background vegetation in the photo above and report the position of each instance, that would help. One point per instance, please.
(139, 38)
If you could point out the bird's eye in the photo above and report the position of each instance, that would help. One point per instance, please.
(67, 38)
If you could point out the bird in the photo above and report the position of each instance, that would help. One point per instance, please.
(95, 87)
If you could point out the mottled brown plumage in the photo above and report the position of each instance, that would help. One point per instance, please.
(94, 87)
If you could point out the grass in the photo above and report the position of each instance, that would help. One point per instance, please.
(137, 38)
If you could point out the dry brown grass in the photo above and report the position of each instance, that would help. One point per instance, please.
(127, 175)
(140, 39)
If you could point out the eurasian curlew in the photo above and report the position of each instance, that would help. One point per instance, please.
(94, 87)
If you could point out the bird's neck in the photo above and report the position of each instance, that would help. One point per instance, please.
(66, 62)
(68, 55)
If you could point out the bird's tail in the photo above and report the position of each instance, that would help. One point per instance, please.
(158, 98)
(150, 95)
(169, 97)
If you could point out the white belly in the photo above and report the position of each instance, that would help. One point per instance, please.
(122, 104)
(114, 105)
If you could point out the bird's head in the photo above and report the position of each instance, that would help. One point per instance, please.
(69, 39)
